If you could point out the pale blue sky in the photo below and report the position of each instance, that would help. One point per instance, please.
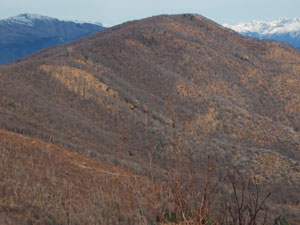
(112, 12)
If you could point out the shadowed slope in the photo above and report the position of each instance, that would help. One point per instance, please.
(27, 33)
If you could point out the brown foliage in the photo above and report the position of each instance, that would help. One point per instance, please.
(235, 99)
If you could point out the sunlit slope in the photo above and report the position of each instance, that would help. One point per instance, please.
(42, 183)
(232, 97)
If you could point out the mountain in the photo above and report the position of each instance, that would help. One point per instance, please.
(160, 98)
(26, 33)
(283, 30)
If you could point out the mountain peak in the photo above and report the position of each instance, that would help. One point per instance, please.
(25, 19)
(28, 19)
(117, 95)
(33, 16)
(279, 26)
(25, 33)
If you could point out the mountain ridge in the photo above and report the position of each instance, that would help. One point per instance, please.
(284, 30)
(27, 33)
(28, 19)
(145, 83)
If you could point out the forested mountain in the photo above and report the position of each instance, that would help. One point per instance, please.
(156, 99)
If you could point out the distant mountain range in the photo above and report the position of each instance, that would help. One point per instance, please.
(283, 30)
(26, 33)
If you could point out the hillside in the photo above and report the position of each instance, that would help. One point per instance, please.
(42, 183)
(26, 33)
(167, 84)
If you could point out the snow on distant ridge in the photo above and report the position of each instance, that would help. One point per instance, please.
(28, 19)
(83, 22)
(282, 25)
(25, 19)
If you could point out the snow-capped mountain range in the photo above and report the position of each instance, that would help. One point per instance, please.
(284, 30)
(26, 33)
(28, 19)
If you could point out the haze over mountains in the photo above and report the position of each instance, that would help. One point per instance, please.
(140, 93)
(284, 30)
(26, 33)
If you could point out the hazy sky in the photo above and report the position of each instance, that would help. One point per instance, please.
(112, 12)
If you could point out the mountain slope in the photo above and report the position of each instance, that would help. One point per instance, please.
(42, 183)
(26, 33)
(162, 82)
(283, 30)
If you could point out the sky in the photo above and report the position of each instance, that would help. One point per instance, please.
(113, 12)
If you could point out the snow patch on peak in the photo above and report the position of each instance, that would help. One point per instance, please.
(33, 16)
(26, 19)
(282, 25)
(84, 22)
